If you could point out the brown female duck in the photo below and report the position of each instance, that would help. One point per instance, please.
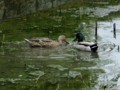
(47, 43)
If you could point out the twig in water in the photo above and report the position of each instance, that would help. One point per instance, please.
(118, 48)
(3, 39)
(58, 86)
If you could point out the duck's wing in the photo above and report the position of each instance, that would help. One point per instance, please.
(34, 43)
(86, 43)
(46, 40)
(39, 39)
(42, 42)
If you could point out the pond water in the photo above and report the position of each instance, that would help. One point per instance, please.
(99, 11)
(65, 68)
(112, 54)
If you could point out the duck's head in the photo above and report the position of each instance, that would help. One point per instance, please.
(62, 40)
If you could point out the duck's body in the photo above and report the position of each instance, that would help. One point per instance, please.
(46, 42)
(86, 46)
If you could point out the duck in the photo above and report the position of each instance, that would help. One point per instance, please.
(86, 46)
(45, 42)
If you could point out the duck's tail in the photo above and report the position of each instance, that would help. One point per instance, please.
(94, 47)
(27, 40)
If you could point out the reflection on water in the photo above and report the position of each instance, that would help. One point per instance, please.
(94, 55)
(46, 69)
(109, 54)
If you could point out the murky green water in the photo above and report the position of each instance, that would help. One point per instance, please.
(25, 68)
(64, 68)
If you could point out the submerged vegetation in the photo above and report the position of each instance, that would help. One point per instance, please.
(28, 69)
(51, 22)
(23, 68)
(43, 23)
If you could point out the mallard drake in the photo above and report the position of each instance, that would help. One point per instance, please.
(47, 42)
(86, 46)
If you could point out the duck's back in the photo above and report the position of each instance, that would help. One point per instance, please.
(43, 42)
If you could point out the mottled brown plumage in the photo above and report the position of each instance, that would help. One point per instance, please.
(47, 43)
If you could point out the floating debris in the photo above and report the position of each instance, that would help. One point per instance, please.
(59, 67)
(72, 74)
(9, 80)
(20, 75)
(57, 57)
(30, 67)
(5, 81)
(37, 73)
